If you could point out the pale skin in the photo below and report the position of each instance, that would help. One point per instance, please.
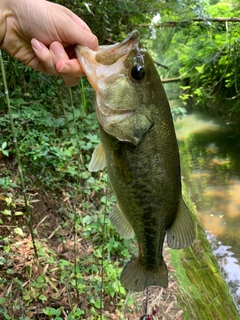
(42, 35)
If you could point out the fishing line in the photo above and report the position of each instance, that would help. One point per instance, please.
(20, 168)
(125, 304)
(146, 316)
(103, 245)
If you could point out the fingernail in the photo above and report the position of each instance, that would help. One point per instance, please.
(36, 44)
(64, 69)
(56, 48)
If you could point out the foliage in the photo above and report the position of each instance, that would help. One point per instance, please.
(55, 149)
(205, 54)
(111, 20)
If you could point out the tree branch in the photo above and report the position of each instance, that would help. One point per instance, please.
(161, 65)
(171, 24)
(171, 80)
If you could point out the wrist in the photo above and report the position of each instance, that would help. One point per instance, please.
(5, 12)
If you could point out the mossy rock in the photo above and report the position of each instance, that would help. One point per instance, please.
(204, 292)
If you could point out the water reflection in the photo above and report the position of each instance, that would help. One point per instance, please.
(210, 160)
(229, 265)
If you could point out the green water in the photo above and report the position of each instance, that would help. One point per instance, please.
(210, 161)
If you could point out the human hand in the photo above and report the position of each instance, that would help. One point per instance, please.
(42, 35)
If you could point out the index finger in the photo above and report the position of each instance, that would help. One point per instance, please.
(79, 33)
(75, 35)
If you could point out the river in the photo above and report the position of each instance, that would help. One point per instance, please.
(210, 161)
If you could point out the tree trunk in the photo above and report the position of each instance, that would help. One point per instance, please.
(205, 293)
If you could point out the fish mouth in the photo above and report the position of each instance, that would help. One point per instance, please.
(108, 55)
(108, 60)
(104, 67)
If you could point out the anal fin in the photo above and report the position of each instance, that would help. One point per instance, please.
(181, 233)
(121, 224)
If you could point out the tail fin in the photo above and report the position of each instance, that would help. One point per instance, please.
(136, 277)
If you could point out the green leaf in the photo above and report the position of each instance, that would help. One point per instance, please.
(64, 263)
(5, 152)
(19, 232)
(51, 311)
(7, 212)
(18, 213)
(42, 297)
(2, 300)
(8, 200)
(200, 69)
(78, 312)
(96, 303)
(7, 249)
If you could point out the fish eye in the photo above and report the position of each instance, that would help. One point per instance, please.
(137, 72)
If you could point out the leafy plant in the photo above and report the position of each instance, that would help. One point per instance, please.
(4, 150)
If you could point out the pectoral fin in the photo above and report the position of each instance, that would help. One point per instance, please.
(181, 233)
(131, 128)
(98, 161)
(121, 223)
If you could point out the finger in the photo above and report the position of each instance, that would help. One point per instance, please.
(66, 67)
(44, 61)
(85, 38)
(70, 70)
(70, 67)
(79, 33)
(78, 21)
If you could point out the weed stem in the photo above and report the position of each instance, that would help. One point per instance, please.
(23, 188)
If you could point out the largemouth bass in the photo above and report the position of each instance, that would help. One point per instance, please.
(140, 150)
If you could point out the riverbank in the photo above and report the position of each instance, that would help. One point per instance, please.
(204, 293)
